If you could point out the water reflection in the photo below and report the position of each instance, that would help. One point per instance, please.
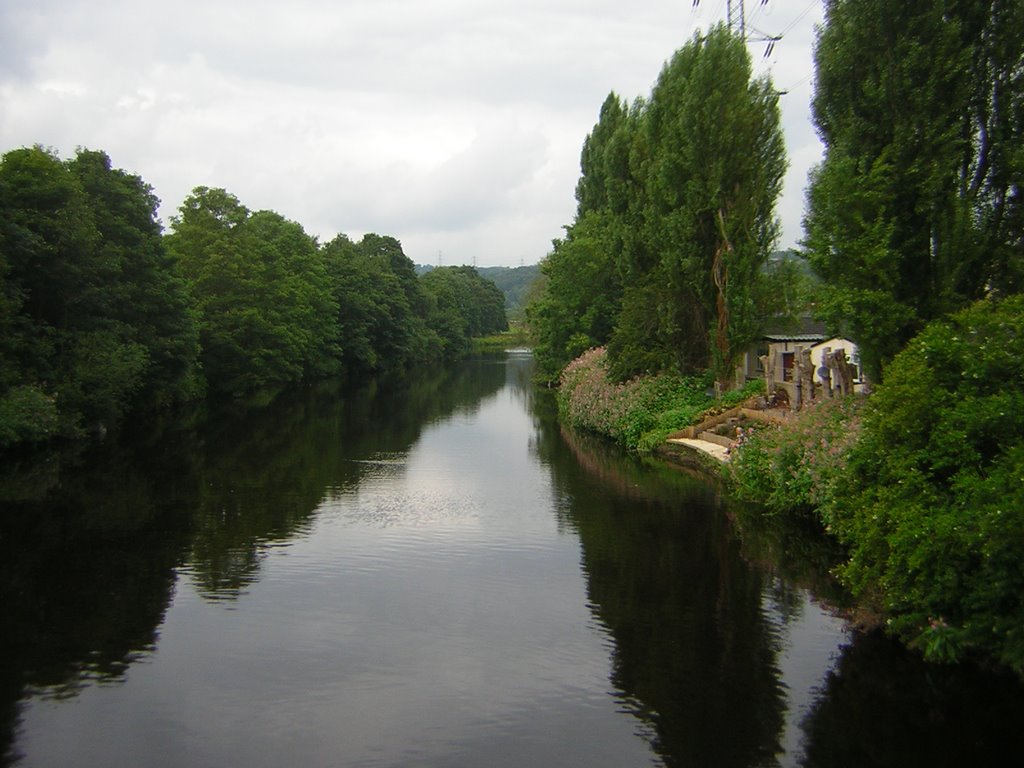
(402, 568)
(258, 480)
(92, 542)
(87, 567)
(724, 648)
(882, 706)
(693, 653)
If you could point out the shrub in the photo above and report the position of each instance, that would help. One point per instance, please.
(638, 413)
(795, 467)
(26, 415)
(932, 505)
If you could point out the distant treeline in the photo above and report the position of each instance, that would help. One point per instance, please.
(515, 282)
(102, 314)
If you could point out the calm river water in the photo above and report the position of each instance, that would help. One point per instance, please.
(436, 575)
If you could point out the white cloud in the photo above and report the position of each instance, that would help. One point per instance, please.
(452, 125)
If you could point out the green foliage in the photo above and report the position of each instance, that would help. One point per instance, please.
(141, 296)
(714, 172)
(674, 223)
(95, 321)
(381, 307)
(515, 283)
(463, 306)
(597, 170)
(933, 503)
(27, 415)
(915, 210)
(794, 468)
(105, 374)
(640, 342)
(261, 288)
(579, 303)
(638, 413)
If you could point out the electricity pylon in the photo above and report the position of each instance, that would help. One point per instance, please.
(736, 18)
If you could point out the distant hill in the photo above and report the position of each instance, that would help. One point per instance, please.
(514, 282)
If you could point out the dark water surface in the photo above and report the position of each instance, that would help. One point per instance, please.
(436, 575)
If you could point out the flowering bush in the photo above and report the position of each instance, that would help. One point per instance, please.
(638, 413)
(794, 467)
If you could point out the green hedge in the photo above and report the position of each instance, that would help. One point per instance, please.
(924, 485)
(932, 506)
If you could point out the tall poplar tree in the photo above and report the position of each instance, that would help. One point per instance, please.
(712, 163)
(579, 304)
(675, 221)
(916, 209)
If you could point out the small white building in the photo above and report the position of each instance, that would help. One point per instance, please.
(779, 352)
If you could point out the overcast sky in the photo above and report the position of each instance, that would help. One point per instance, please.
(453, 125)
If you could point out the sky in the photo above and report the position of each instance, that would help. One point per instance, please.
(452, 125)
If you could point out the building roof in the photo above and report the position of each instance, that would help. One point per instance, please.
(805, 329)
(815, 337)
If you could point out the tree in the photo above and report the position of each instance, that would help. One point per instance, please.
(580, 301)
(713, 173)
(48, 241)
(96, 322)
(381, 307)
(675, 222)
(916, 209)
(262, 290)
(596, 166)
(582, 284)
(463, 306)
(142, 296)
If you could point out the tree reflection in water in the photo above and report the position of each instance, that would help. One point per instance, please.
(715, 613)
(709, 614)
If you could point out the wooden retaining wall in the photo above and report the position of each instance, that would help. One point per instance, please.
(740, 411)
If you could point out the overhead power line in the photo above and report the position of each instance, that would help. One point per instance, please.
(736, 19)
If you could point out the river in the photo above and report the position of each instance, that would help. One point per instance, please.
(434, 573)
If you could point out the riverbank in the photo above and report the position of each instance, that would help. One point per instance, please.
(919, 482)
(641, 413)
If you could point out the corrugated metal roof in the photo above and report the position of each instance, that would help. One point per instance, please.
(803, 329)
(795, 336)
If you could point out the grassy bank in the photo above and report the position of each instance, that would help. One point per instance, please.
(516, 337)
(641, 412)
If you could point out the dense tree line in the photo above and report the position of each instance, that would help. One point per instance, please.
(675, 221)
(102, 314)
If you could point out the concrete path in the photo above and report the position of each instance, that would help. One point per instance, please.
(711, 449)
